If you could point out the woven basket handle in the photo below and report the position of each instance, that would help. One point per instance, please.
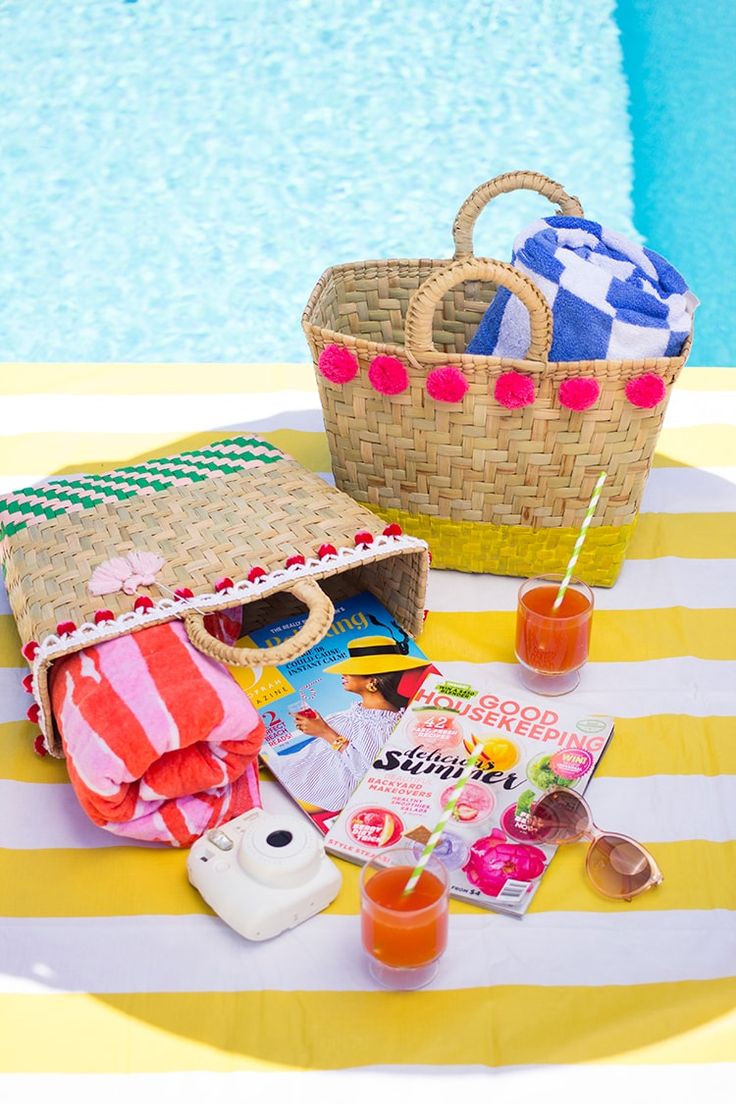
(423, 303)
(462, 227)
(321, 614)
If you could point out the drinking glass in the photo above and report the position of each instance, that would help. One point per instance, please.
(552, 646)
(403, 937)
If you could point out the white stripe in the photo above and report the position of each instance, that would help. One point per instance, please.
(655, 809)
(145, 954)
(172, 413)
(676, 490)
(643, 584)
(160, 414)
(695, 687)
(690, 491)
(694, 408)
(676, 1083)
(683, 684)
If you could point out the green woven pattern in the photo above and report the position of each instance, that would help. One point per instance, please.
(29, 505)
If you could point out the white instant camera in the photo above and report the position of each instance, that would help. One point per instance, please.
(262, 873)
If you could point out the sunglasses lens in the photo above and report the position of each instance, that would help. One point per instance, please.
(618, 867)
(558, 817)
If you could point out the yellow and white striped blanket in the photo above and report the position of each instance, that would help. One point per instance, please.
(111, 964)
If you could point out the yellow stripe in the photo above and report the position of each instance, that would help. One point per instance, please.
(670, 744)
(618, 635)
(18, 760)
(707, 379)
(693, 446)
(128, 881)
(211, 379)
(61, 453)
(673, 744)
(690, 536)
(154, 379)
(701, 446)
(687, 1021)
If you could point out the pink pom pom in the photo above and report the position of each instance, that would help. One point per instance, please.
(579, 393)
(393, 530)
(645, 391)
(337, 365)
(256, 573)
(224, 584)
(28, 684)
(65, 628)
(447, 384)
(326, 550)
(364, 537)
(143, 603)
(29, 650)
(39, 746)
(102, 615)
(184, 592)
(514, 390)
(388, 375)
(34, 713)
(292, 560)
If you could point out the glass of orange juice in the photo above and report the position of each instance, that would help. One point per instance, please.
(403, 937)
(552, 645)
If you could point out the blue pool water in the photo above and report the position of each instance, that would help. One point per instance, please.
(175, 176)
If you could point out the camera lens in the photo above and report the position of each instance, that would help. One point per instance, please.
(279, 838)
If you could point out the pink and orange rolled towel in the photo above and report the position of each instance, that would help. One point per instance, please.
(161, 743)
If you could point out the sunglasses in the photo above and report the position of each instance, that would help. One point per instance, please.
(618, 866)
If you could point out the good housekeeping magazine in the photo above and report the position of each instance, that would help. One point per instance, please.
(329, 712)
(528, 747)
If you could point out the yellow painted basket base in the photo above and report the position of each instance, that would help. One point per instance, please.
(516, 549)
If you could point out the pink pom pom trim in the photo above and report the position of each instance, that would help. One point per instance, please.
(292, 560)
(224, 584)
(39, 746)
(393, 530)
(143, 603)
(513, 390)
(580, 393)
(337, 365)
(388, 375)
(28, 684)
(29, 650)
(364, 537)
(102, 615)
(447, 384)
(256, 573)
(645, 391)
(184, 592)
(34, 713)
(65, 628)
(326, 550)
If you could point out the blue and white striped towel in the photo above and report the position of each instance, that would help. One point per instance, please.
(611, 299)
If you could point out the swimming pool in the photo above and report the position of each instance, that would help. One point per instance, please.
(175, 178)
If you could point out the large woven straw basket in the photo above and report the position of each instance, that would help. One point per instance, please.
(237, 523)
(490, 488)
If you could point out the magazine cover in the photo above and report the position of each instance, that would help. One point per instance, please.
(527, 748)
(329, 712)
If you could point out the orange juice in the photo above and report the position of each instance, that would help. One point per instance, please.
(553, 641)
(404, 931)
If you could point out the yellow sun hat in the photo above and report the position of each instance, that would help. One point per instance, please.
(376, 655)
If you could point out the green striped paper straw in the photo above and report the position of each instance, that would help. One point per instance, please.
(579, 542)
(441, 823)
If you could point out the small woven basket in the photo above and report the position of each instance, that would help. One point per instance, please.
(238, 523)
(491, 489)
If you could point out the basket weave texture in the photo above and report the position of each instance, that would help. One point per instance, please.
(211, 515)
(491, 488)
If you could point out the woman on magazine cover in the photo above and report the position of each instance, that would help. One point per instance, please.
(326, 771)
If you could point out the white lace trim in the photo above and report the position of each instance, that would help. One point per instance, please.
(90, 633)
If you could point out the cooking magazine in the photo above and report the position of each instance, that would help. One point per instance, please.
(529, 745)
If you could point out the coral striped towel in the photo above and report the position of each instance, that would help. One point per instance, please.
(160, 741)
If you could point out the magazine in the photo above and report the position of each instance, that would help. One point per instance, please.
(528, 746)
(329, 712)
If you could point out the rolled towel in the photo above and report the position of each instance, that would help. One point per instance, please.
(160, 741)
(610, 298)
